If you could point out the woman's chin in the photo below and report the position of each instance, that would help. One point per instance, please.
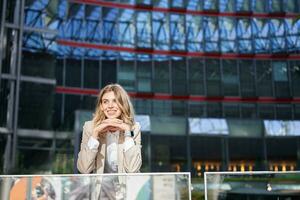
(111, 117)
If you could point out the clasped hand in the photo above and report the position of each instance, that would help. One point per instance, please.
(110, 125)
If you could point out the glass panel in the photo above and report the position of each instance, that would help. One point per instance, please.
(208, 126)
(133, 186)
(91, 74)
(276, 6)
(260, 6)
(210, 5)
(145, 2)
(168, 154)
(211, 34)
(267, 185)
(291, 5)
(57, 113)
(179, 81)
(283, 155)
(143, 106)
(248, 111)
(143, 29)
(45, 14)
(36, 106)
(178, 108)
(245, 128)
(73, 72)
(277, 34)
(110, 29)
(207, 158)
(177, 32)
(266, 111)
(144, 73)
(227, 34)
(126, 74)
(214, 110)
(295, 76)
(127, 1)
(261, 34)
(247, 78)
(283, 111)
(230, 78)
(282, 128)
(38, 64)
(194, 5)
(162, 107)
(244, 35)
(172, 125)
(194, 33)
(72, 103)
(161, 82)
(160, 3)
(231, 110)
(161, 34)
(292, 34)
(264, 78)
(126, 28)
(197, 109)
(280, 75)
(296, 109)
(177, 3)
(227, 5)
(196, 76)
(243, 5)
(245, 154)
(59, 71)
(88, 102)
(213, 78)
(4, 96)
(108, 72)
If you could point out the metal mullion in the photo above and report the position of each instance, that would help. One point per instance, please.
(239, 87)
(135, 57)
(187, 107)
(2, 35)
(100, 73)
(10, 104)
(7, 151)
(82, 72)
(135, 28)
(151, 31)
(100, 24)
(18, 82)
(62, 116)
(82, 76)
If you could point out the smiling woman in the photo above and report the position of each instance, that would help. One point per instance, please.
(111, 141)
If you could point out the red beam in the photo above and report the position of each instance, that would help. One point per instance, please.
(178, 53)
(182, 10)
(159, 96)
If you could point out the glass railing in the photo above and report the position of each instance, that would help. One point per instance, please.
(138, 186)
(252, 185)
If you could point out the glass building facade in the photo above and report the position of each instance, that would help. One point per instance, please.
(217, 79)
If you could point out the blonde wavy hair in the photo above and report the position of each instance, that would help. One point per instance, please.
(123, 101)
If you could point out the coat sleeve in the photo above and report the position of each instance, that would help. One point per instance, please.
(86, 157)
(133, 156)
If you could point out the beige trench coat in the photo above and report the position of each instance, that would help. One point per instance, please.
(91, 161)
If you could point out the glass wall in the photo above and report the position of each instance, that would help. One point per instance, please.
(218, 59)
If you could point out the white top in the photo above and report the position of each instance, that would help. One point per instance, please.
(112, 138)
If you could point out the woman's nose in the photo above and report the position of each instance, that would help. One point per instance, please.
(110, 104)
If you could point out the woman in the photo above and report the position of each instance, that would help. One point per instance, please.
(111, 142)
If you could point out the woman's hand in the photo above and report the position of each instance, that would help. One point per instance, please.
(111, 125)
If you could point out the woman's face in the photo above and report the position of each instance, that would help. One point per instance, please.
(109, 105)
